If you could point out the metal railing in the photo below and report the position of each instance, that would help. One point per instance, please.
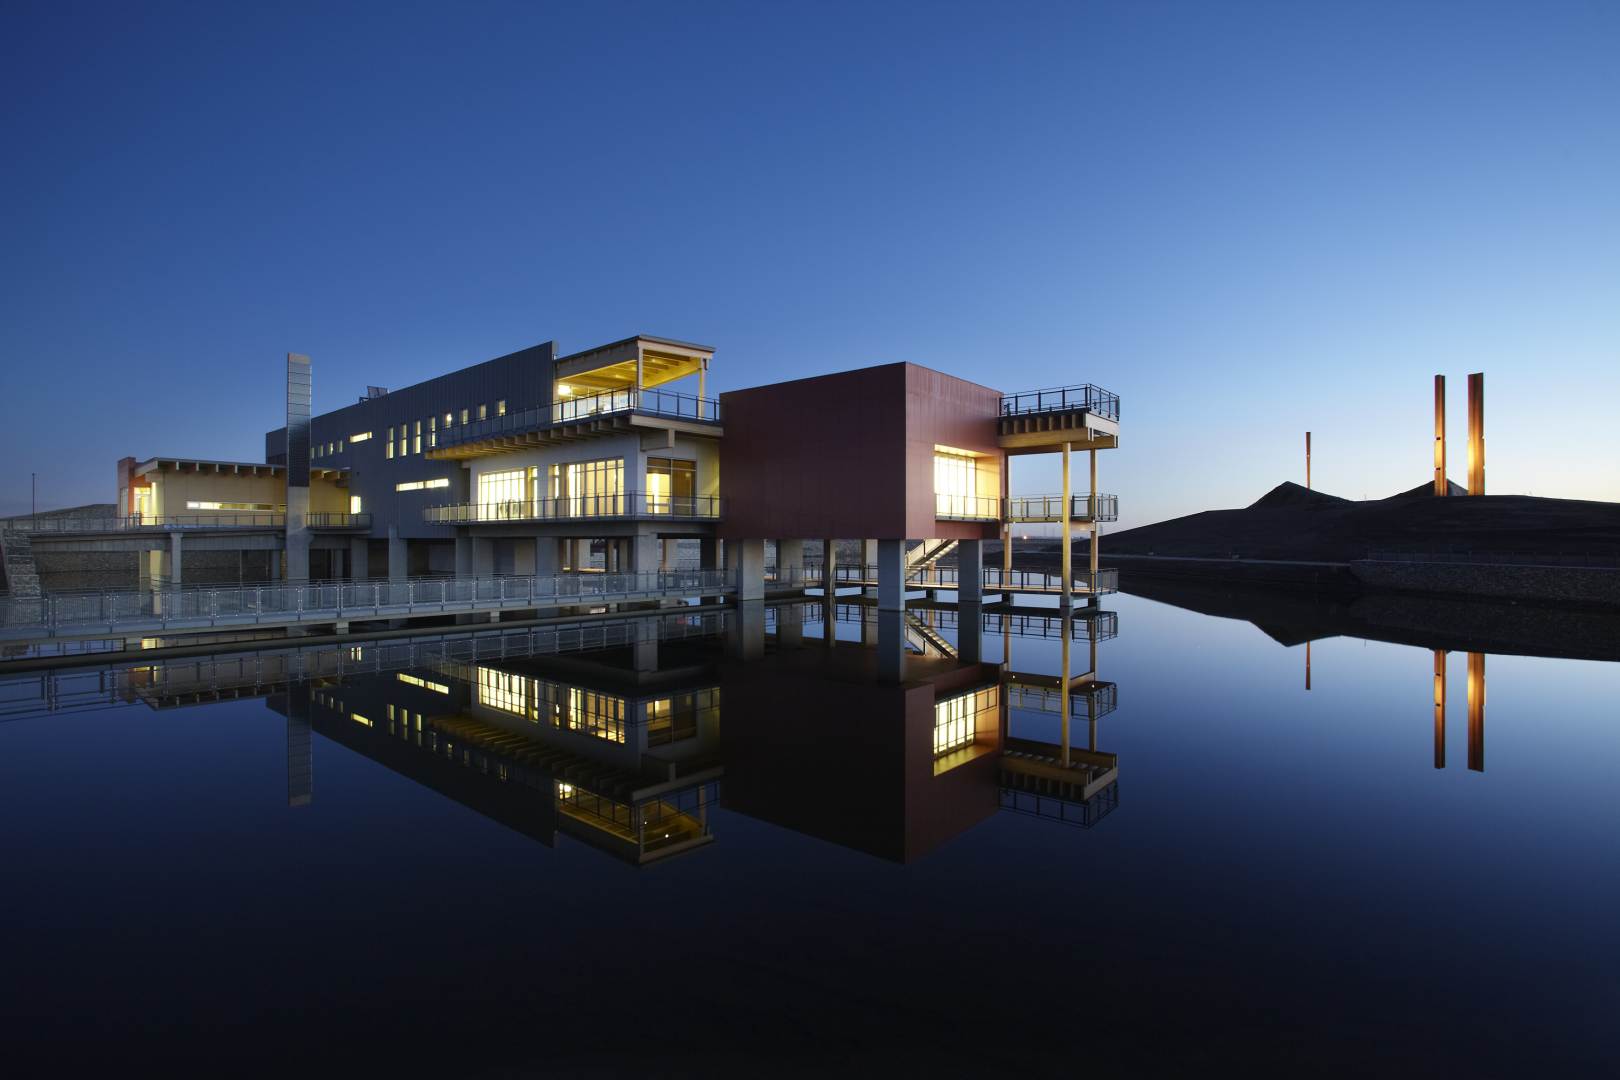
(624, 504)
(669, 404)
(338, 521)
(1089, 507)
(1084, 582)
(247, 519)
(151, 611)
(1091, 398)
(967, 507)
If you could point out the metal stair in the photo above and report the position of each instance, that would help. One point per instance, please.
(922, 558)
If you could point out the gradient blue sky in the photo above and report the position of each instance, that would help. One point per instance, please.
(1248, 219)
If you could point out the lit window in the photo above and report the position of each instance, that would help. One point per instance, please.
(449, 420)
(483, 412)
(389, 451)
(500, 408)
(956, 719)
(354, 504)
(954, 484)
(433, 431)
(414, 680)
(419, 436)
(463, 416)
(423, 485)
(362, 437)
(254, 507)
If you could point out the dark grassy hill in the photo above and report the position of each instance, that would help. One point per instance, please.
(1290, 522)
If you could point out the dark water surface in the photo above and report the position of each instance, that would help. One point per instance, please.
(465, 871)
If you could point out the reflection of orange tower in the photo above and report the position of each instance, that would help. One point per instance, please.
(1476, 711)
(1439, 708)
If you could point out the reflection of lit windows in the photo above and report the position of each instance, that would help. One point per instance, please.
(357, 718)
(414, 680)
(673, 719)
(601, 715)
(956, 719)
(507, 692)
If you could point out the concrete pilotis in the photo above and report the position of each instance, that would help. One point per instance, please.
(397, 568)
(790, 564)
(359, 559)
(483, 557)
(745, 566)
(176, 574)
(464, 554)
(545, 556)
(970, 572)
(670, 558)
(891, 605)
(646, 552)
(745, 625)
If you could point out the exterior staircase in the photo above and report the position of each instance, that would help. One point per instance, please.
(17, 559)
(925, 555)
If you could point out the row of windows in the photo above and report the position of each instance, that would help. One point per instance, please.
(956, 719)
(406, 438)
(423, 485)
(588, 480)
(203, 504)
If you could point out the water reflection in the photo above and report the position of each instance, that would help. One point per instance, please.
(611, 732)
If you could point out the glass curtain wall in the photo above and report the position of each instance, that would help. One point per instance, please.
(588, 488)
(671, 486)
(954, 485)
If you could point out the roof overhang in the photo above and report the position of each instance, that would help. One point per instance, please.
(613, 367)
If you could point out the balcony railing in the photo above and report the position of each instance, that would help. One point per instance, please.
(1050, 508)
(664, 403)
(247, 519)
(967, 507)
(1091, 398)
(338, 521)
(625, 504)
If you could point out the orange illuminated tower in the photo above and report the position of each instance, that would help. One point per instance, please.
(1440, 485)
(1476, 433)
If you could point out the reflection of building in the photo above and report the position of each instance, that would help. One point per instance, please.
(623, 767)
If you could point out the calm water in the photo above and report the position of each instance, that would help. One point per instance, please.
(464, 871)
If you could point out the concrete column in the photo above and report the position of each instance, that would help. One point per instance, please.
(483, 557)
(176, 572)
(144, 572)
(297, 533)
(464, 554)
(790, 564)
(545, 556)
(970, 572)
(398, 565)
(273, 565)
(582, 553)
(359, 558)
(670, 556)
(891, 564)
(829, 598)
(790, 626)
(745, 625)
(869, 553)
(644, 653)
(646, 552)
(891, 645)
(709, 553)
(1066, 597)
(745, 567)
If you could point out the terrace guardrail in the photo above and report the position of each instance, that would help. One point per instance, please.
(669, 404)
(624, 504)
(1063, 399)
(1088, 507)
(966, 507)
(151, 612)
(338, 521)
(247, 519)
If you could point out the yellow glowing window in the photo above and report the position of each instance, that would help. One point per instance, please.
(357, 718)
(389, 451)
(267, 508)
(354, 504)
(500, 408)
(483, 412)
(956, 719)
(507, 692)
(601, 715)
(433, 431)
(419, 436)
(463, 416)
(361, 437)
(508, 487)
(423, 485)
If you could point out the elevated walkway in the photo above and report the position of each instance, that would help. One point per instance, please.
(205, 609)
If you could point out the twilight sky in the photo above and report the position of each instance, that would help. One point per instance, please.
(1248, 219)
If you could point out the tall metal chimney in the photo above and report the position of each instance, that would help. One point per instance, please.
(1476, 433)
(299, 396)
(1441, 487)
